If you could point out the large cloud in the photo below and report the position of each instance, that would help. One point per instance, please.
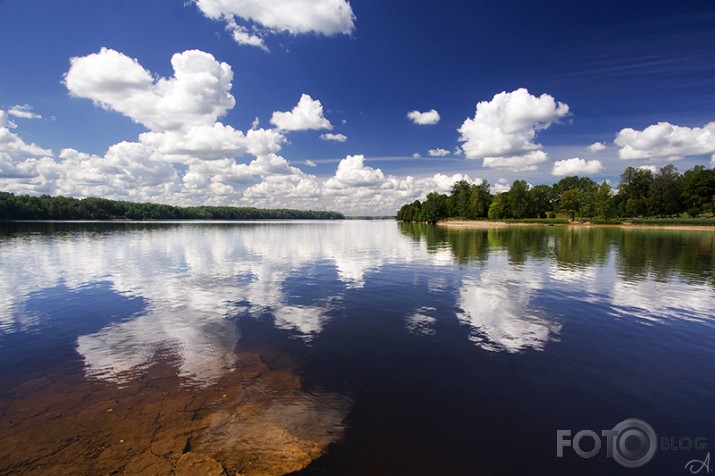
(186, 158)
(306, 115)
(358, 189)
(326, 17)
(197, 95)
(576, 166)
(200, 160)
(666, 141)
(503, 130)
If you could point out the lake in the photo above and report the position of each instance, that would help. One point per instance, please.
(353, 347)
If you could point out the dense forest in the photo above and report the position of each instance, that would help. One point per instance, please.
(641, 193)
(25, 207)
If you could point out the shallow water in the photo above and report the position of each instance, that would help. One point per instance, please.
(349, 347)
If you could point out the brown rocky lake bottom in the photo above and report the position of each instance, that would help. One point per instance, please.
(255, 420)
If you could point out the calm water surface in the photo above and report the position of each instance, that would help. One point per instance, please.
(364, 347)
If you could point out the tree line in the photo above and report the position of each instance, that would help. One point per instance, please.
(45, 207)
(641, 193)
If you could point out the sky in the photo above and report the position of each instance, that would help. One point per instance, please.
(357, 107)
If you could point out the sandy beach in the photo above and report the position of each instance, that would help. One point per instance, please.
(501, 224)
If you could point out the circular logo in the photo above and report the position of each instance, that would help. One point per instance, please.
(635, 443)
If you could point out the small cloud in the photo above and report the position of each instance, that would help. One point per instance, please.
(310, 163)
(428, 118)
(416, 155)
(344, 121)
(502, 185)
(255, 124)
(306, 115)
(596, 147)
(652, 168)
(518, 163)
(11, 145)
(438, 152)
(242, 36)
(458, 151)
(23, 111)
(576, 166)
(334, 137)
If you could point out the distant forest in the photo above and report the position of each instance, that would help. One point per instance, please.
(641, 193)
(25, 207)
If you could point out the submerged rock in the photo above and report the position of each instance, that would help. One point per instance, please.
(192, 464)
(255, 421)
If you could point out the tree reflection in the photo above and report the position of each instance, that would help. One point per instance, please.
(662, 253)
(638, 253)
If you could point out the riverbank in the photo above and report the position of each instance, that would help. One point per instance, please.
(502, 224)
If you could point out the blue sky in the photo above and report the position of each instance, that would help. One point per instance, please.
(553, 78)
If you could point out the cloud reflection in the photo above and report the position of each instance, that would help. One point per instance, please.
(195, 280)
(497, 305)
(657, 301)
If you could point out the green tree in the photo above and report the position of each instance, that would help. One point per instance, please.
(499, 207)
(698, 189)
(571, 202)
(633, 189)
(459, 200)
(435, 207)
(664, 192)
(603, 206)
(479, 200)
(518, 199)
(541, 198)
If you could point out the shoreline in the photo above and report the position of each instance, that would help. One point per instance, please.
(501, 224)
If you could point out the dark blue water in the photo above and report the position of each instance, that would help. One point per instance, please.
(460, 351)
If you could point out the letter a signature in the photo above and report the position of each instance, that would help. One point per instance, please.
(695, 466)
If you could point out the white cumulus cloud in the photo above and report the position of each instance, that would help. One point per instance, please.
(23, 111)
(666, 141)
(242, 36)
(306, 115)
(197, 94)
(596, 147)
(519, 163)
(352, 171)
(428, 118)
(196, 160)
(12, 145)
(576, 166)
(503, 130)
(438, 152)
(325, 17)
(334, 137)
